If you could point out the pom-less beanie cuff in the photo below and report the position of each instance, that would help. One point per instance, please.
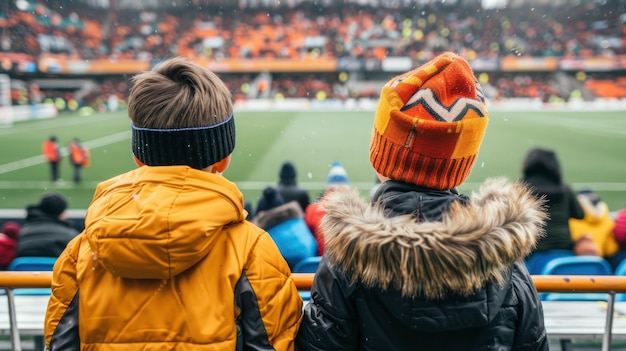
(417, 168)
(197, 147)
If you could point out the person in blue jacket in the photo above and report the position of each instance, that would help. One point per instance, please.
(284, 221)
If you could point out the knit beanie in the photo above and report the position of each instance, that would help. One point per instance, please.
(429, 124)
(53, 204)
(287, 171)
(337, 175)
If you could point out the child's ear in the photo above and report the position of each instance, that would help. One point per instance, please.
(139, 163)
(221, 166)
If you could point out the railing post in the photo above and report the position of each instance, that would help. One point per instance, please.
(16, 341)
(608, 327)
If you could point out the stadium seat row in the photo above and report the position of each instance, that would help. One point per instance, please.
(562, 262)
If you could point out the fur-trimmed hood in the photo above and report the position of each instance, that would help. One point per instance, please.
(472, 244)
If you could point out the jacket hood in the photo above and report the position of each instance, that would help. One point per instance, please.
(277, 215)
(156, 222)
(473, 243)
(543, 163)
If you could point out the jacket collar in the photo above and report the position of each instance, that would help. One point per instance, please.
(475, 241)
(399, 198)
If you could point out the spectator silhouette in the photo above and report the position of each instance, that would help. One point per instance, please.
(50, 149)
(542, 171)
(422, 266)
(9, 235)
(288, 187)
(284, 221)
(79, 157)
(46, 231)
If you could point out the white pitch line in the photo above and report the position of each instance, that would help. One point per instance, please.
(91, 144)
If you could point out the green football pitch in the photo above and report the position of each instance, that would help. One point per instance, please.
(591, 147)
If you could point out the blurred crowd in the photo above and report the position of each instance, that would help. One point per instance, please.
(343, 31)
(584, 29)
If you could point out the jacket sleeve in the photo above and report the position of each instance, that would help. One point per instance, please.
(61, 321)
(530, 331)
(268, 300)
(329, 321)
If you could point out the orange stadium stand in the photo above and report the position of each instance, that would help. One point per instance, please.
(608, 88)
(316, 38)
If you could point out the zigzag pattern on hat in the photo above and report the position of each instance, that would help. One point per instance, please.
(454, 113)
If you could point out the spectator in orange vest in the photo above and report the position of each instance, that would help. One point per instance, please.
(79, 156)
(50, 150)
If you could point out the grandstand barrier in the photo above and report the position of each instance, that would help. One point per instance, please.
(544, 283)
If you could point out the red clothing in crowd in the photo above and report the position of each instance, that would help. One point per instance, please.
(313, 216)
(8, 243)
(619, 231)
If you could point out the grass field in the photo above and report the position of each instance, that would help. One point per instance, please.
(591, 147)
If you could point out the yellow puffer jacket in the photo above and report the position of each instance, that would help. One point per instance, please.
(167, 261)
(597, 223)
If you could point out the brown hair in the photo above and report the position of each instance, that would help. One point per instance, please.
(178, 93)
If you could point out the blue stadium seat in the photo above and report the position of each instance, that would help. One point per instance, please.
(32, 264)
(621, 268)
(305, 295)
(576, 265)
(307, 265)
(537, 261)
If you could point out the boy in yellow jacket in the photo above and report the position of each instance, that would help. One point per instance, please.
(167, 260)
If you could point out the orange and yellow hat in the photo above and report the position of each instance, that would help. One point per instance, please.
(429, 124)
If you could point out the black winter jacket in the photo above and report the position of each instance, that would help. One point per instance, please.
(427, 270)
(291, 192)
(43, 235)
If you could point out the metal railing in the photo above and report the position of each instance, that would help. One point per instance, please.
(17, 280)
(608, 284)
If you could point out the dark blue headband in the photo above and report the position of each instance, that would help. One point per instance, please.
(197, 147)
